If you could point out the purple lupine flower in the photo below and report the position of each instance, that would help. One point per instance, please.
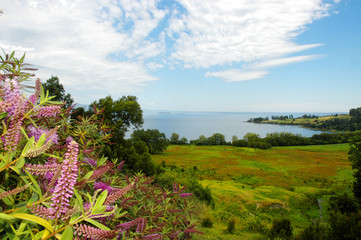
(88, 232)
(43, 212)
(69, 139)
(90, 161)
(12, 136)
(64, 188)
(47, 111)
(102, 186)
(37, 132)
(154, 236)
(120, 166)
(32, 99)
(127, 225)
(183, 195)
(42, 170)
(37, 88)
(175, 187)
(112, 198)
(15, 106)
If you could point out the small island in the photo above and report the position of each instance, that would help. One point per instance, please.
(334, 122)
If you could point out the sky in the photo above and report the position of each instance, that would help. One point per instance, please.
(195, 55)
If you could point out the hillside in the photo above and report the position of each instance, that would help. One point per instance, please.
(254, 186)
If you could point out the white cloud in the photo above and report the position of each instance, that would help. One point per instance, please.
(109, 46)
(226, 32)
(283, 61)
(236, 75)
(75, 40)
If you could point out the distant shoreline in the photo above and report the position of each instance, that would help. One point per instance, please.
(334, 122)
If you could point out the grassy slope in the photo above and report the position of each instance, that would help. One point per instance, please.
(255, 186)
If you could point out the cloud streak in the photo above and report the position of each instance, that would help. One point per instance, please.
(237, 75)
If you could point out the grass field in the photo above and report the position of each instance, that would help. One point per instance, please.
(255, 186)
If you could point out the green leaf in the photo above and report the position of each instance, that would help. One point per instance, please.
(101, 161)
(97, 224)
(41, 141)
(12, 54)
(35, 219)
(79, 200)
(6, 217)
(101, 199)
(20, 163)
(34, 198)
(88, 175)
(98, 210)
(67, 234)
(29, 144)
(3, 115)
(21, 228)
(22, 58)
(35, 185)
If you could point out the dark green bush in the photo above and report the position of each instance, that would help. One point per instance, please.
(207, 222)
(281, 228)
(315, 231)
(231, 227)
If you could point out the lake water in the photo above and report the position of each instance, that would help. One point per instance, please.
(193, 124)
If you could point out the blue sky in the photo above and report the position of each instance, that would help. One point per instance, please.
(195, 55)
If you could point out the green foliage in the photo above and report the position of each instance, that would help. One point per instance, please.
(185, 178)
(343, 226)
(315, 231)
(254, 141)
(343, 203)
(231, 227)
(56, 89)
(122, 113)
(55, 184)
(174, 139)
(12, 67)
(281, 228)
(355, 121)
(156, 142)
(355, 159)
(215, 139)
(207, 222)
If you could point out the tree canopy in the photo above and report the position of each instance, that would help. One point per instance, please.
(56, 89)
(156, 141)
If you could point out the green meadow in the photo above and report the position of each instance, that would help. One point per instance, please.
(253, 187)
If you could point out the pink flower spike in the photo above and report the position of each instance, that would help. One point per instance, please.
(64, 188)
(183, 195)
(102, 186)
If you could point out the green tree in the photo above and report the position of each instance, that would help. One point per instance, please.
(355, 121)
(122, 113)
(56, 89)
(156, 141)
(217, 139)
(174, 138)
(355, 159)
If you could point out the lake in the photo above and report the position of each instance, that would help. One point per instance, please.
(193, 124)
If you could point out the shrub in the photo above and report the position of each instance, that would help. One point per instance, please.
(207, 222)
(315, 231)
(231, 227)
(281, 228)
